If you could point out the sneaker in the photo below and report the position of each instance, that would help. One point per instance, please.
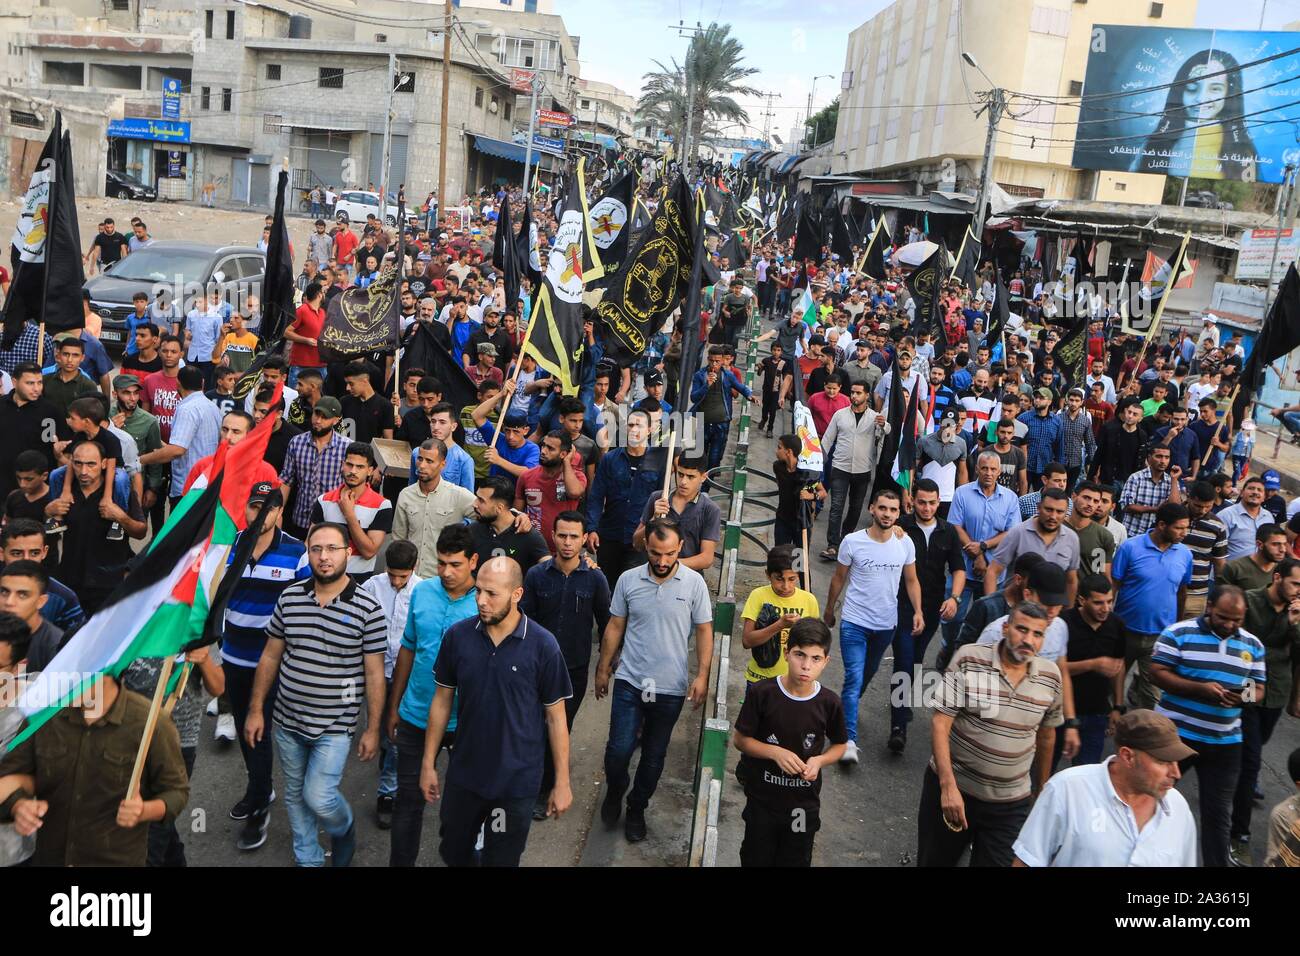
(115, 532)
(344, 847)
(384, 811)
(225, 728)
(1239, 852)
(539, 810)
(245, 808)
(897, 739)
(850, 753)
(769, 433)
(634, 826)
(213, 707)
(254, 832)
(55, 526)
(830, 554)
(611, 808)
(1258, 795)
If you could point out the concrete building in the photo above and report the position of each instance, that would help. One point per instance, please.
(907, 106)
(251, 85)
(605, 113)
(27, 124)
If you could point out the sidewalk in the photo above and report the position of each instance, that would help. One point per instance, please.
(1286, 461)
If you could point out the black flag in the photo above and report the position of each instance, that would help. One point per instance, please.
(968, 258)
(277, 295)
(505, 256)
(654, 279)
(998, 314)
(363, 320)
(555, 330)
(612, 223)
(873, 259)
(924, 285)
(423, 350)
(841, 241)
(45, 257)
(691, 309)
(1072, 351)
(526, 252)
(787, 217)
(896, 413)
(808, 236)
(1279, 336)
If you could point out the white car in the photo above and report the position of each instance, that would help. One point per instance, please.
(354, 205)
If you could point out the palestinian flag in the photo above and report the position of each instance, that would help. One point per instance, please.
(903, 467)
(174, 597)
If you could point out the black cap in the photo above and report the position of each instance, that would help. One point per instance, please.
(654, 378)
(1048, 582)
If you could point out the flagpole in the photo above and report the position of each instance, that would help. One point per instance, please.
(1164, 298)
(862, 262)
(960, 249)
(181, 683)
(514, 380)
(668, 472)
(1219, 428)
(155, 708)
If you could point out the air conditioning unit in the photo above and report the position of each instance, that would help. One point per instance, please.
(1076, 87)
(1157, 10)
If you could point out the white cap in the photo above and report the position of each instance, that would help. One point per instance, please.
(1210, 317)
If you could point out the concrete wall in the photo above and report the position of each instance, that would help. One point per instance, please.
(20, 145)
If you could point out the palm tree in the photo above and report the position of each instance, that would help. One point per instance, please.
(702, 89)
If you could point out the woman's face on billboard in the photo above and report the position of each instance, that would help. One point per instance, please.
(1204, 98)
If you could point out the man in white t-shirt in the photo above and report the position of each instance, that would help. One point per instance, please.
(872, 562)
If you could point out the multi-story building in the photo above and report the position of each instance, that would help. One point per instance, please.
(603, 111)
(908, 101)
(227, 91)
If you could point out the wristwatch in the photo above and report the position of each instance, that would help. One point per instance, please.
(984, 547)
(1070, 723)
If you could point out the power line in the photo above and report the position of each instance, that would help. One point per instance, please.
(1117, 139)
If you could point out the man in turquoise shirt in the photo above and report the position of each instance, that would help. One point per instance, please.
(436, 604)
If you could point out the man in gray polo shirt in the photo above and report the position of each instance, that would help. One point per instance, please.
(654, 610)
(696, 515)
(1047, 534)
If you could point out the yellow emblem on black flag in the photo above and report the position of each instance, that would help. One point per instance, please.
(554, 336)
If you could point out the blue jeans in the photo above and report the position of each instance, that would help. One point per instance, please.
(952, 628)
(909, 655)
(312, 771)
(629, 713)
(1092, 740)
(315, 210)
(387, 768)
(715, 442)
(862, 650)
(1291, 421)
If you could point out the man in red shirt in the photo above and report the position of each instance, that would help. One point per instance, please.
(1101, 410)
(345, 247)
(161, 393)
(827, 402)
(304, 332)
(556, 484)
(486, 368)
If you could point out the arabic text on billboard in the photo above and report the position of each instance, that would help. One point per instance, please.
(1257, 251)
(1210, 104)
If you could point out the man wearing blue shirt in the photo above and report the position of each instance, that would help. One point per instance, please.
(1208, 668)
(1044, 438)
(436, 604)
(624, 480)
(982, 512)
(1184, 446)
(1151, 572)
(711, 396)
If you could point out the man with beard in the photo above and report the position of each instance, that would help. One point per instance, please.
(1208, 668)
(355, 505)
(1122, 812)
(509, 676)
(325, 646)
(625, 478)
(655, 610)
(1119, 445)
(491, 333)
(496, 531)
(144, 430)
(873, 562)
(1045, 533)
(980, 405)
(855, 435)
(313, 463)
(553, 486)
(978, 788)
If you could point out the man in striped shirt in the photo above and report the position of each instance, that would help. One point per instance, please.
(354, 504)
(326, 644)
(278, 560)
(1208, 667)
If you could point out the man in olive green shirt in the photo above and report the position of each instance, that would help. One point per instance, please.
(66, 383)
(144, 428)
(1255, 570)
(68, 782)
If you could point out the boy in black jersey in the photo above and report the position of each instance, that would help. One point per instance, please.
(782, 732)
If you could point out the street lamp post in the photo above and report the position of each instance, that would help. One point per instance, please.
(996, 104)
(812, 93)
(532, 121)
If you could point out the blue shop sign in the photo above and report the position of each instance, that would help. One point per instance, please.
(157, 130)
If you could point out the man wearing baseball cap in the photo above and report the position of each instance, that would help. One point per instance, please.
(1122, 812)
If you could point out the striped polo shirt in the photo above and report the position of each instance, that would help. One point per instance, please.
(1194, 652)
(374, 513)
(253, 599)
(995, 725)
(322, 673)
(1207, 539)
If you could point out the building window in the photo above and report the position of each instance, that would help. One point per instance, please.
(404, 83)
(381, 37)
(938, 115)
(904, 51)
(273, 71)
(916, 120)
(494, 105)
(873, 134)
(226, 97)
(60, 73)
(121, 4)
(230, 24)
(509, 108)
(24, 118)
(207, 24)
(1050, 21)
(1121, 187)
(1157, 11)
(478, 96)
(331, 78)
(205, 97)
(927, 41)
(585, 104)
(1076, 87)
(891, 129)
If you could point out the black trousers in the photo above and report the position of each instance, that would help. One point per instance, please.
(578, 678)
(408, 802)
(258, 760)
(504, 822)
(1257, 725)
(614, 557)
(1217, 768)
(778, 837)
(992, 829)
(165, 846)
(158, 513)
(770, 409)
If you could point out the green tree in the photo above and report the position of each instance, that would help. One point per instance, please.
(703, 87)
(821, 125)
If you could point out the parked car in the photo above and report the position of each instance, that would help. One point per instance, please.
(119, 185)
(354, 205)
(184, 270)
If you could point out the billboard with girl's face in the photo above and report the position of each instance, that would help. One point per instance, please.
(1209, 104)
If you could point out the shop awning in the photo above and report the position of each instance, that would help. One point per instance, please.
(515, 152)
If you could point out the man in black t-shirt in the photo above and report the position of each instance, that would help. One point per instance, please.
(775, 369)
(783, 730)
(366, 416)
(496, 533)
(491, 332)
(109, 246)
(1097, 640)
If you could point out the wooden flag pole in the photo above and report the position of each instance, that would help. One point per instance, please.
(1218, 430)
(519, 366)
(155, 708)
(807, 564)
(668, 472)
(40, 345)
(181, 684)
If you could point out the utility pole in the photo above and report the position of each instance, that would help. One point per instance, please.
(996, 104)
(767, 113)
(1288, 182)
(446, 91)
(532, 123)
(388, 140)
(692, 32)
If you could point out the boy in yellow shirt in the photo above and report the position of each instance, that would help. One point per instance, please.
(770, 612)
(236, 345)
